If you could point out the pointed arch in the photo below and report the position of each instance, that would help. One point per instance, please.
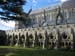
(22, 39)
(50, 36)
(15, 39)
(10, 40)
(64, 35)
(30, 36)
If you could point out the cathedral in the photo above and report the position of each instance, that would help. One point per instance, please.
(52, 27)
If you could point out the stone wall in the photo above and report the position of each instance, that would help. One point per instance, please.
(51, 37)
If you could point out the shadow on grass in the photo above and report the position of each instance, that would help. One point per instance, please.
(34, 52)
(45, 53)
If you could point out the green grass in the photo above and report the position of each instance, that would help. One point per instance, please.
(19, 51)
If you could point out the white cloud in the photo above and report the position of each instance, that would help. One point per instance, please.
(8, 24)
(34, 2)
(63, 0)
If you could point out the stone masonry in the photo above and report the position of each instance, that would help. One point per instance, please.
(51, 37)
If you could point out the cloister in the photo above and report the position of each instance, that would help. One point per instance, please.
(51, 37)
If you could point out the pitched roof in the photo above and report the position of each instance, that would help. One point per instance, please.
(68, 4)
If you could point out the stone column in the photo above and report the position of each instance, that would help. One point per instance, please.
(11, 42)
(24, 44)
(72, 43)
(36, 39)
(33, 41)
(56, 45)
(17, 44)
(44, 42)
(57, 42)
(46, 39)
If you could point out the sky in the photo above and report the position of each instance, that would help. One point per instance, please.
(34, 4)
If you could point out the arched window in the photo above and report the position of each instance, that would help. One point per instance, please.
(64, 36)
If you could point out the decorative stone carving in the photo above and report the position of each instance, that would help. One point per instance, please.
(58, 37)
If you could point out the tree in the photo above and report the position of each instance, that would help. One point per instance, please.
(12, 10)
(59, 15)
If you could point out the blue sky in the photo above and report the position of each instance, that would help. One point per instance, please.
(35, 4)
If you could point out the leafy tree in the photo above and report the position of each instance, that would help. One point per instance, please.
(12, 10)
(59, 15)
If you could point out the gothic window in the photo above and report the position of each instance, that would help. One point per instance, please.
(70, 13)
(52, 43)
(50, 16)
(73, 11)
(64, 36)
(31, 37)
(40, 36)
(66, 44)
(49, 43)
(65, 14)
(34, 20)
(51, 36)
(69, 43)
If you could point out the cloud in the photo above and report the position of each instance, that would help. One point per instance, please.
(63, 0)
(53, 1)
(34, 2)
(8, 24)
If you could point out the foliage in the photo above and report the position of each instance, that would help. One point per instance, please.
(13, 10)
(59, 15)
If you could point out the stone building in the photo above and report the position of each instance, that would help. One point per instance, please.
(43, 31)
(47, 16)
(60, 36)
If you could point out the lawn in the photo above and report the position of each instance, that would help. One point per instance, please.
(19, 51)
